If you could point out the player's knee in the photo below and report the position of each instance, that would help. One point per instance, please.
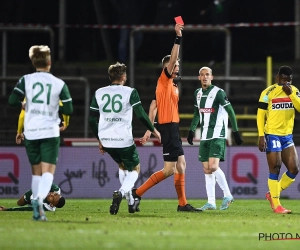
(181, 168)
(137, 168)
(168, 172)
(169, 169)
(213, 167)
(276, 169)
(294, 171)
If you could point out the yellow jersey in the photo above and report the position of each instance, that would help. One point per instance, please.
(276, 110)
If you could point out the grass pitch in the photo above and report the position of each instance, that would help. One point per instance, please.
(87, 224)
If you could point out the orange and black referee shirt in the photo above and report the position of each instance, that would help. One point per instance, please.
(167, 97)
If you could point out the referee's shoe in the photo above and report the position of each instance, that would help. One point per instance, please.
(188, 208)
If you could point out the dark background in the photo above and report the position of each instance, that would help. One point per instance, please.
(251, 44)
(87, 56)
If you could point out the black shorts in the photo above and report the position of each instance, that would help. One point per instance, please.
(171, 141)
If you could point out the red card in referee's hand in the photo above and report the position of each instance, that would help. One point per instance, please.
(179, 20)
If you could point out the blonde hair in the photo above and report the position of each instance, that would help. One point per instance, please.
(205, 67)
(40, 56)
(116, 71)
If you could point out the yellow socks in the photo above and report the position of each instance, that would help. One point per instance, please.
(275, 191)
(285, 181)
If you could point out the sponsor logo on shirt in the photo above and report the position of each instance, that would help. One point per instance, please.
(39, 129)
(113, 119)
(38, 112)
(207, 110)
(111, 139)
(282, 103)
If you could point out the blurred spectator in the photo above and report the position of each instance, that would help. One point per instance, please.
(217, 13)
(128, 12)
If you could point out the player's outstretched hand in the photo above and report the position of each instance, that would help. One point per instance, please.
(237, 138)
(145, 137)
(190, 137)
(3, 208)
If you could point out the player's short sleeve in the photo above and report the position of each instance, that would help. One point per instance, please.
(27, 196)
(55, 188)
(20, 87)
(134, 98)
(94, 105)
(222, 98)
(264, 99)
(195, 97)
(296, 91)
(65, 95)
(295, 98)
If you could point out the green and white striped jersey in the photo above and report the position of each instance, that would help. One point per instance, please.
(213, 117)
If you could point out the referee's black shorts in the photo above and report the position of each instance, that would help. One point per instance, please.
(171, 141)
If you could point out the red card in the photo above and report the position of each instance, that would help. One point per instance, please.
(179, 20)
